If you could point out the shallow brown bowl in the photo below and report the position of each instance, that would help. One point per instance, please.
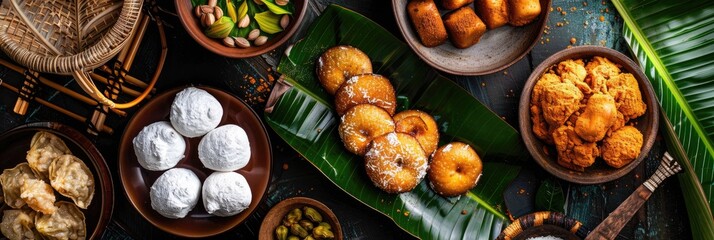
(191, 23)
(599, 172)
(137, 181)
(275, 216)
(16, 142)
(498, 48)
(544, 224)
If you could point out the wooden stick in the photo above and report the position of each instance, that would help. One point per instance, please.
(129, 79)
(58, 108)
(58, 87)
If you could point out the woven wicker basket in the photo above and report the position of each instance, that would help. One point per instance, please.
(69, 37)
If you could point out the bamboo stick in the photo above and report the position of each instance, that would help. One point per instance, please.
(58, 108)
(58, 87)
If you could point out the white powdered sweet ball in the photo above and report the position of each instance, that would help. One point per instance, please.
(195, 112)
(225, 148)
(175, 193)
(158, 146)
(226, 194)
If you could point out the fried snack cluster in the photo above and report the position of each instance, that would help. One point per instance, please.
(29, 188)
(396, 146)
(586, 109)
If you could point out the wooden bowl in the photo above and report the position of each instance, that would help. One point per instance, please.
(137, 181)
(546, 155)
(498, 48)
(543, 224)
(191, 23)
(16, 142)
(275, 216)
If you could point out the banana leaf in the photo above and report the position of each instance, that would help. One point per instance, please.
(304, 117)
(674, 43)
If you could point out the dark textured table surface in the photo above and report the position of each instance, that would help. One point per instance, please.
(570, 23)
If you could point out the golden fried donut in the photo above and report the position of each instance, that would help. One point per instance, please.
(421, 126)
(361, 124)
(454, 169)
(338, 64)
(395, 162)
(366, 88)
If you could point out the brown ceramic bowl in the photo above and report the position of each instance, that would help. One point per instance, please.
(137, 181)
(275, 216)
(191, 23)
(498, 48)
(546, 155)
(543, 224)
(16, 142)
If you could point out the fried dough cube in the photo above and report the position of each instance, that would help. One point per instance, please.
(427, 21)
(494, 13)
(454, 4)
(465, 28)
(522, 12)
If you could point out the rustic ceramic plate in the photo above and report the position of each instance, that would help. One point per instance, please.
(599, 172)
(498, 48)
(137, 181)
(16, 142)
(275, 216)
(191, 23)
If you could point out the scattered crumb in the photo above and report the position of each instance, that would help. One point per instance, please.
(505, 72)
(551, 9)
(521, 191)
(585, 4)
(602, 18)
(573, 9)
(573, 40)
(483, 84)
(285, 166)
(547, 40)
(563, 13)
(406, 213)
(559, 9)
(607, 10)
(559, 24)
(604, 2)
(463, 212)
(399, 210)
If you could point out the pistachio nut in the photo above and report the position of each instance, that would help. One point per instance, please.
(259, 2)
(282, 2)
(220, 28)
(281, 233)
(229, 42)
(253, 34)
(207, 20)
(197, 11)
(244, 22)
(298, 230)
(312, 214)
(325, 225)
(218, 12)
(284, 21)
(243, 43)
(212, 3)
(306, 224)
(260, 40)
(322, 232)
(309, 237)
(293, 238)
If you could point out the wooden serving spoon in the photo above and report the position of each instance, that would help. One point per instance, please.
(613, 224)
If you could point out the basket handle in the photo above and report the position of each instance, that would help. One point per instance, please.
(85, 81)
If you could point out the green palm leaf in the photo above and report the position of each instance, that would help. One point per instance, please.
(674, 42)
(303, 116)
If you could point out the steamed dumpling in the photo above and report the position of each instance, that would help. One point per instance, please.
(195, 112)
(71, 178)
(19, 224)
(39, 196)
(44, 148)
(66, 223)
(12, 180)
